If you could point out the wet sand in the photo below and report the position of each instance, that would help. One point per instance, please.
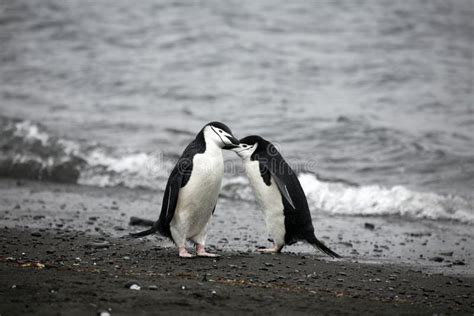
(61, 251)
(73, 273)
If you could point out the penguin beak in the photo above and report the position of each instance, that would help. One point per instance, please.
(239, 149)
(235, 142)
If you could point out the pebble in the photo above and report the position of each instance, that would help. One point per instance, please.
(36, 234)
(98, 245)
(369, 226)
(437, 259)
(133, 285)
(459, 263)
(153, 287)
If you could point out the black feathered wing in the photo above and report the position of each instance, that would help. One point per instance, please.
(284, 177)
(178, 178)
(298, 222)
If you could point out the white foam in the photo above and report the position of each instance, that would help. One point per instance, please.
(340, 198)
(30, 131)
(131, 170)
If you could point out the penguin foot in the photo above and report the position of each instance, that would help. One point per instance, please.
(183, 253)
(207, 254)
(201, 252)
(274, 249)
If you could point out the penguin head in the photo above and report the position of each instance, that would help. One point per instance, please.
(248, 145)
(221, 135)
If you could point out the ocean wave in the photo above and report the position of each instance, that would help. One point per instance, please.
(29, 150)
(370, 200)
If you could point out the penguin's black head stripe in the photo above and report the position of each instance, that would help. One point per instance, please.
(250, 140)
(221, 126)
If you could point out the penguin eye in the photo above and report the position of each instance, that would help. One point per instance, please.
(245, 146)
(220, 131)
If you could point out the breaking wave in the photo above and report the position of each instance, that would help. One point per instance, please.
(28, 150)
(341, 198)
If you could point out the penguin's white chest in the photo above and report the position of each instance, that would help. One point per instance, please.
(198, 197)
(269, 199)
(268, 196)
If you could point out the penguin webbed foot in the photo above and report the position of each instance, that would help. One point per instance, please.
(208, 255)
(201, 252)
(274, 249)
(183, 253)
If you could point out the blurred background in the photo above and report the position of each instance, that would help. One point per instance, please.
(371, 101)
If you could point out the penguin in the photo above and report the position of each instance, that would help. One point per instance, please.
(192, 189)
(279, 194)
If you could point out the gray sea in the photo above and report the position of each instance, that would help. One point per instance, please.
(370, 101)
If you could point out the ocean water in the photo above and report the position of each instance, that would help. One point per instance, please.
(371, 102)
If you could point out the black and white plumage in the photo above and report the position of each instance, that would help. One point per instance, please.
(279, 194)
(192, 189)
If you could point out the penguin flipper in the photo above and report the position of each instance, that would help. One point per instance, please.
(283, 190)
(278, 170)
(178, 179)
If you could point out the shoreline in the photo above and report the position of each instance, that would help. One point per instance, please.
(431, 246)
(63, 247)
(77, 273)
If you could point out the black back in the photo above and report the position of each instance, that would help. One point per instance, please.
(273, 167)
(178, 178)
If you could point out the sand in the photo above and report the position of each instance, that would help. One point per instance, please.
(63, 252)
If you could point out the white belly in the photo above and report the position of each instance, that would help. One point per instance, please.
(198, 197)
(269, 200)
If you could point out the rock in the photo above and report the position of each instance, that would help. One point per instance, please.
(36, 234)
(369, 226)
(103, 313)
(133, 285)
(446, 254)
(437, 259)
(420, 234)
(459, 263)
(98, 245)
(153, 287)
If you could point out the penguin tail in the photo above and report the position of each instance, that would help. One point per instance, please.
(144, 233)
(321, 246)
(137, 221)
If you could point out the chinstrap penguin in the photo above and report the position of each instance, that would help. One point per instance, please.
(192, 189)
(279, 194)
